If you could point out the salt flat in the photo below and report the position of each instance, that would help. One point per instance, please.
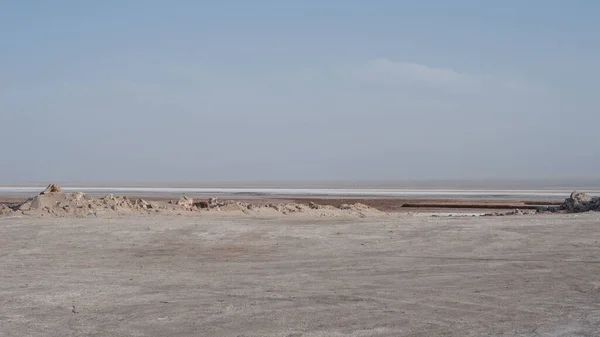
(535, 275)
(300, 192)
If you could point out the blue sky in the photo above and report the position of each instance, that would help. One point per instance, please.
(304, 90)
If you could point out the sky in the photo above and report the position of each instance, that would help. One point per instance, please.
(172, 91)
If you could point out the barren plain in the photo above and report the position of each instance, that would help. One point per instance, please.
(218, 275)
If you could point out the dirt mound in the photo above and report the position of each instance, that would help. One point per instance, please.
(52, 202)
(357, 207)
(58, 204)
(360, 209)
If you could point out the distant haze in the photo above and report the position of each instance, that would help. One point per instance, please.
(147, 92)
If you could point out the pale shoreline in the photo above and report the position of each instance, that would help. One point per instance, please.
(304, 192)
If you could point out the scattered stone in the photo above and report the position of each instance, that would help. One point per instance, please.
(519, 212)
(142, 204)
(213, 202)
(312, 205)
(186, 202)
(5, 210)
(201, 204)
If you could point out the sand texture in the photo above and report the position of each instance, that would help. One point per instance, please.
(283, 276)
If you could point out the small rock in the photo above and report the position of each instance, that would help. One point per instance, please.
(186, 202)
(312, 205)
(5, 210)
(579, 197)
(201, 204)
(52, 188)
(141, 203)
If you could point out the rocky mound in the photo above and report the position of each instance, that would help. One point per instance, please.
(577, 202)
(53, 202)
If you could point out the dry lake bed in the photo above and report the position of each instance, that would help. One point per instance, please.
(536, 275)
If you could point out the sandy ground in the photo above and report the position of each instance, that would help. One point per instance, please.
(220, 276)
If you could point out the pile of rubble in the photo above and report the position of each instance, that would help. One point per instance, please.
(513, 212)
(53, 202)
(577, 202)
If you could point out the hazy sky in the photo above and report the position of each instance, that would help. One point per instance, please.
(298, 90)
